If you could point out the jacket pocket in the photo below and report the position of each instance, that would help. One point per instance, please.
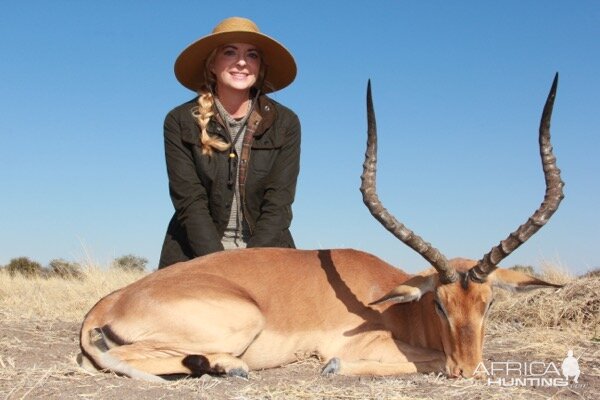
(261, 161)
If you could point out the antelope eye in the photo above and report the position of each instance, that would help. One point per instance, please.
(439, 308)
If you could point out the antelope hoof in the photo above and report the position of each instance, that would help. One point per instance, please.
(332, 367)
(238, 373)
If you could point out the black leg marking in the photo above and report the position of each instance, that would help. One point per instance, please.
(199, 365)
(97, 339)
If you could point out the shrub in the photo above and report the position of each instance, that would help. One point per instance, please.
(130, 262)
(65, 269)
(526, 269)
(593, 273)
(24, 266)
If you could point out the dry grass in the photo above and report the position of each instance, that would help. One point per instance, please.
(576, 306)
(40, 320)
(57, 298)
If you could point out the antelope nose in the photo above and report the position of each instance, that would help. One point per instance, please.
(457, 372)
(479, 375)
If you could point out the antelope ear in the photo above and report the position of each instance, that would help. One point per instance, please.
(410, 290)
(517, 281)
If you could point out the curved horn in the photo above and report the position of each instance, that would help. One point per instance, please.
(552, 198)
(446, 273)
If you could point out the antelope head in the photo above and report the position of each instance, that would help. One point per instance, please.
(460, 291)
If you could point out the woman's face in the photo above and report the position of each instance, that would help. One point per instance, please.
(236, 67)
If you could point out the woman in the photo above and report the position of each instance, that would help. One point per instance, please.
(233, 154)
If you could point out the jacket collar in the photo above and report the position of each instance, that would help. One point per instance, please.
(262, 118)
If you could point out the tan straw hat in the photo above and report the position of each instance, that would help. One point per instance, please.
(280, 64)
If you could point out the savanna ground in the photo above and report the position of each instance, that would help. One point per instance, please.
(40, 319)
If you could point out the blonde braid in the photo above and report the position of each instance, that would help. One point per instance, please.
(203, 112)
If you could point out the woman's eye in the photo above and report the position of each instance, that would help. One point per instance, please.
(253, 56)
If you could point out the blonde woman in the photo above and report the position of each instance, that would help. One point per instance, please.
(233, 154)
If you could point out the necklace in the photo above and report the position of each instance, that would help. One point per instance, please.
(230, 124)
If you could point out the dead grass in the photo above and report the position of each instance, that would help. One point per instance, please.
(576, 306)
(57, 298)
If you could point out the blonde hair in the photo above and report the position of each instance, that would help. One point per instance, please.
(203, 112)
(205, 108)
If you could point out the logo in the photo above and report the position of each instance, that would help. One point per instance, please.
(533, 373)
(570, 367)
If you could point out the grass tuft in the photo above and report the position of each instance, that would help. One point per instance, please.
(575, 306)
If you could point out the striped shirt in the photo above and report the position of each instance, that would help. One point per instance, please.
(237, 232)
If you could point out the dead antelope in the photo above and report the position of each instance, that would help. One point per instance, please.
(235, 311)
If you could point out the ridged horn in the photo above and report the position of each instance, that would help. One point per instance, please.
(552, 198)
(368, 189)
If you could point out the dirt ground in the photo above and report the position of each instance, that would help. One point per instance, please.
(37, 360)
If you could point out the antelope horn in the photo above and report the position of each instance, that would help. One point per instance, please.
(552, 198)
(446, 273)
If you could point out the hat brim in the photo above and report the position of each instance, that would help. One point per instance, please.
(280, 64)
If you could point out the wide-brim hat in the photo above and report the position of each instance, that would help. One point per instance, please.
(280, 65)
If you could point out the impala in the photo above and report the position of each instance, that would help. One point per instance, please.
(240, 310)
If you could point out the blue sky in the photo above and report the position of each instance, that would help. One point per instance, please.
(458, 90)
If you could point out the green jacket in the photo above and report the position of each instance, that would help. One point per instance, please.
(269, 167)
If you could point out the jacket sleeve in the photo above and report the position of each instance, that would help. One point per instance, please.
(188, 194)
(280, 189)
